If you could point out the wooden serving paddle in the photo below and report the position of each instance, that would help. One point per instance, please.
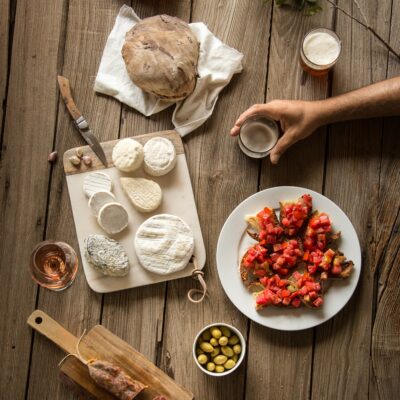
(99, 343)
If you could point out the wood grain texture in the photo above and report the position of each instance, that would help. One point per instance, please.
(284, 82)
(222, 177)
(342, 345)
(4, 53)
(104, 345)
(88, 24)
(28, 138)
(385, 346)
(123, 310)
(71, 169)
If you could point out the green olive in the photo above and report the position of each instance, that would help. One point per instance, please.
(219, 368)
(200, 340)
(206, 335)
(227, 351)
(223, 341)
(214, 341)
(199, 351)
(202, 359)
(216, 351)
(215, 332)
(229, 364)
(235, 358)
(210, 366)
(219, 360)
(225, 331)
(206, 347)
(237, 348)
(233, 340)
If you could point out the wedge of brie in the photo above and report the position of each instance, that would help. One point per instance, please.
(145, 194)
(113, 218)
(164, 244)
(95, 182)
(106, 255)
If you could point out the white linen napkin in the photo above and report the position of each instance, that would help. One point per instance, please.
(216, 66)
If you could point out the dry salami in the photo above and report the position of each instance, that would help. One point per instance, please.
(113, 379)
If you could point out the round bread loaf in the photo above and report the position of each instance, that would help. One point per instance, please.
(161, 55)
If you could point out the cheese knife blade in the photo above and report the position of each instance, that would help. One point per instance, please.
(80, 122)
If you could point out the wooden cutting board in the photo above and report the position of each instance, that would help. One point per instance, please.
(178, 199)
(99, 343)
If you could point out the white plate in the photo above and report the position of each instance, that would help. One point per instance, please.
(233, 242)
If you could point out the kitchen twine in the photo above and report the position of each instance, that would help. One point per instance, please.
(78, 354)
(198, 274)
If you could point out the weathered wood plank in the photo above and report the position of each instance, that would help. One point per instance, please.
(137, 315)
(222, 177)
(352, 181)
(385, 347)
(4, 54)
(284, 82)
(28, 138)
(78, 307)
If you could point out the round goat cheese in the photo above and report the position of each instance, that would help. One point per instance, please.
(127, 155)
(145, 194)
(98, 200)
(164, 244)
(106, 255)
(96, 182)
(159, 156)
(113, 218)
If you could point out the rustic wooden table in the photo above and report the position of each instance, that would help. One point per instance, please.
(356, 355)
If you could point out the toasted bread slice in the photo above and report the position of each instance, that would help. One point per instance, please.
(294, 214)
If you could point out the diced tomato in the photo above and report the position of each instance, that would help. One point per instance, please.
(312, 269)
(286, 301)
(318, 302)
(296, 302)
(336, 269)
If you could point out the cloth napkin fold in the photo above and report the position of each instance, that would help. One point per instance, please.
(216, 66)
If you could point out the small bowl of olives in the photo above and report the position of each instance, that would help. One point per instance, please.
(219, 349)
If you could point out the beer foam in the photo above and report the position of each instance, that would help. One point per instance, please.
(321, 48)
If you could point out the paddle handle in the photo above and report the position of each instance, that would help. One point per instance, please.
(45, 325)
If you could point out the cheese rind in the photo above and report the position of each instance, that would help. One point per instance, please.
(127, 155)
(106, 255)
(113, 218)
(98, 200)
(164, 244)
(145, 194)
(159, 156)
(96, 182)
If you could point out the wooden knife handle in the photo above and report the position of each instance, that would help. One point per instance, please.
(66, 95)
(45, 325)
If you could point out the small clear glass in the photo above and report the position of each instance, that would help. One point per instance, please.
(258, 136)
(53, 265)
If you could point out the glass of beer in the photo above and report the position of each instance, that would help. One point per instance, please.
(320, 51)
(53, 265)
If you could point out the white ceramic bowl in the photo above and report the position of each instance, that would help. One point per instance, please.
(242, 354)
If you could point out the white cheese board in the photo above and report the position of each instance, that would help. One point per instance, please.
(177, 200)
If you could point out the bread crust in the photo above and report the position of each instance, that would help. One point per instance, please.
(161, 55)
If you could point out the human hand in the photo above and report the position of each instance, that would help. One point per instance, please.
(298, 120)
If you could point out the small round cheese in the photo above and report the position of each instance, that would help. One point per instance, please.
(98, 200)
(96, 182)
(159, 156)
(106, 255)
(113, 218)
(145, 194)
(164, 244)
(127, 155)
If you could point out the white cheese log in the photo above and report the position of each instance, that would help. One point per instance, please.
(159, 156)
(113, 218)
(98, 200)
(127, 155)
(96, 182)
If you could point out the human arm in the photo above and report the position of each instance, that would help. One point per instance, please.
(299, 119)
